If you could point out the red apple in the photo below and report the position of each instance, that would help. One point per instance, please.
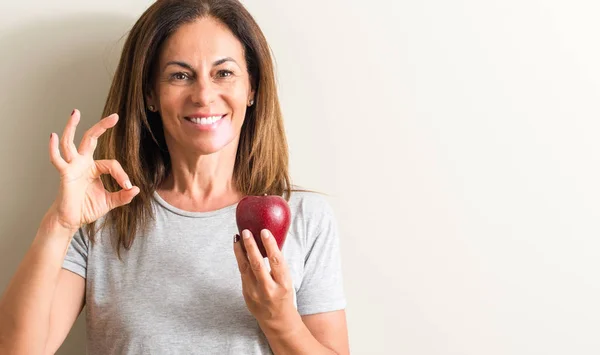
(256, 213)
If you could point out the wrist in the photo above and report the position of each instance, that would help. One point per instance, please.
(286, 326)
(53, 236)
(52, 226)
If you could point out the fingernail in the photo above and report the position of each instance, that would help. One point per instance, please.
(128, 185)
(265, 233)
(246, 234)
(236, 238)
(72, 113)
(50, 135)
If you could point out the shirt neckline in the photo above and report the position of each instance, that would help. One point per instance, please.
(185, 213)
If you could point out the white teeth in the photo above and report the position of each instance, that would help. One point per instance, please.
(206, 120)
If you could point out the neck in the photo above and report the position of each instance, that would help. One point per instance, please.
(201, 181)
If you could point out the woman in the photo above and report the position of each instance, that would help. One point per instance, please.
(198, 127)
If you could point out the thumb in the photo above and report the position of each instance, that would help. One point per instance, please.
(121, 197)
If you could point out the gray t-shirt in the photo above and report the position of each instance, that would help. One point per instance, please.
(178, 290)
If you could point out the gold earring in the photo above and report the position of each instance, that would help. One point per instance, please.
(151, 108)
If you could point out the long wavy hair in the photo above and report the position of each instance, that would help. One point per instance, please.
(138, 142)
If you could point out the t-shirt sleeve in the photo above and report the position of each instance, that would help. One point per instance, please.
(322, 289)
(77, 254)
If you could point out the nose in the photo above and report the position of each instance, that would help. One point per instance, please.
(203, 93)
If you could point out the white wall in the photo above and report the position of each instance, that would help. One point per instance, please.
(458, 140)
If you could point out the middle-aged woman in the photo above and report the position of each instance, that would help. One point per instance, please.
(197, 127)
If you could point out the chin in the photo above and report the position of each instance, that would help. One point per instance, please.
(206, 148)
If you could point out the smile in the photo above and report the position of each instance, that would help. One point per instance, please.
(205, 121)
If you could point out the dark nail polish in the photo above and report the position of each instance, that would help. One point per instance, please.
(236, 238)
(72, 112)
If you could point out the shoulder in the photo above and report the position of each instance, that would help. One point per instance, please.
(309, 203)
(311, 210)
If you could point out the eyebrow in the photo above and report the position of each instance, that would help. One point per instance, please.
(189, 67)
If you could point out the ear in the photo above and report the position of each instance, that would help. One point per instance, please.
(150, 99)
(151, 102)
(252, 94)
(251, 97)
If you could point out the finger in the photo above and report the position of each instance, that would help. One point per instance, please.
(256, 260)
(121, 197)
(115, 170)
(242, 260)
(90, 138)
(279, 270)
(66, 142)
(59, 163)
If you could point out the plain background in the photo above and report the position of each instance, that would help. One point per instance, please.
(458, 141)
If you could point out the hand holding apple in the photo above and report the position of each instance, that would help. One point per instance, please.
(256, 213)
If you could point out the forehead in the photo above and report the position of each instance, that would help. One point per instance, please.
(205, 38)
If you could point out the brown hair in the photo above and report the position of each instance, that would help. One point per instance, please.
(137, 141)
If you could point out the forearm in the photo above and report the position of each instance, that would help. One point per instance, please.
(292, 337)
(26, 303)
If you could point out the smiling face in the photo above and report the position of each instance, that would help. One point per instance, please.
(202, 87)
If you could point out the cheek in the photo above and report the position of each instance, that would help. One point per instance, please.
(170, 99)
(170, 107)
(238, 97)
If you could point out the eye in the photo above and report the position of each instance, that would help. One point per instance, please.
(224, 73)
(180, 76)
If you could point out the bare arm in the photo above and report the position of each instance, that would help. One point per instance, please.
(330, 329)
(67, 303)
(323, 333)
(42, 300)
(27, 303)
